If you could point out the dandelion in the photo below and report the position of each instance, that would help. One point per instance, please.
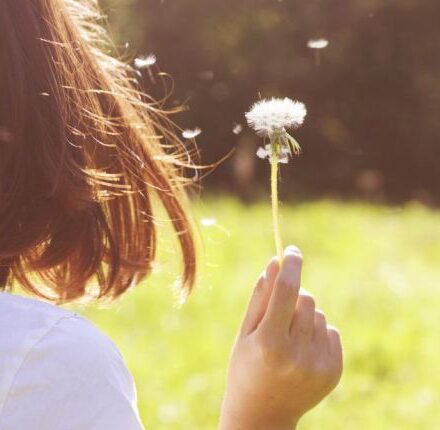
(191, 134)
(271, 119)
(274, 116)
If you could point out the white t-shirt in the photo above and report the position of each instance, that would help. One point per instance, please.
(59, 372)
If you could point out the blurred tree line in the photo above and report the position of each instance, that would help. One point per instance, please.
(373, 94)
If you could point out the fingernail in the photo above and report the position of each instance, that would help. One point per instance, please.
(273, 260)
(292, 249)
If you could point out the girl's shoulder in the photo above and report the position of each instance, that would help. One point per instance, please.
(26, 323)
(24, 312)
(23, 323)
(54, 358)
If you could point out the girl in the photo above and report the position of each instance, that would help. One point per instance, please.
(82, 156)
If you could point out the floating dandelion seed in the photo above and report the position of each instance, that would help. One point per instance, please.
(145, 62)
(317, 43)
(181, 293)
(208, 222)
(271, 119)
(238, 128)
(191, 134)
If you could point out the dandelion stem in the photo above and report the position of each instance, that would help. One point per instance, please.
(274, 186)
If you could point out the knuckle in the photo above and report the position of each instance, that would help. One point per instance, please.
(320, 317)
(335, 375)
(272, 349)
(318, 368)
(327, 370)
(307, 302)
(321, 370)
(333, 331)
(259, 287)
(284, 283)
(328, 376)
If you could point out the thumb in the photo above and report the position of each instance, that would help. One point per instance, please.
(260, 297)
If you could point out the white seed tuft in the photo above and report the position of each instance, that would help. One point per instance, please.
(145, 62)
(317, 43)
(238, 128)
(267, 117)
(191, 134)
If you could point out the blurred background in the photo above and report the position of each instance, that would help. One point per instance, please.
(361, 201)
(372, 93)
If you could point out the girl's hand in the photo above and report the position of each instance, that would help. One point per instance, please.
(286, 358)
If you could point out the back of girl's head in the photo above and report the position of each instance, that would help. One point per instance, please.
(82, 158)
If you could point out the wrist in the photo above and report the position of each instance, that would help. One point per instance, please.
(251, 425)
(242, 421)
(247, 415)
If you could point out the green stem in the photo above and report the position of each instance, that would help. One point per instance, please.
(275, 220)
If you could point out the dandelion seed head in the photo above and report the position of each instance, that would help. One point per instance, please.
(191, 134)
(145, 62)
(317, 43)
(275, 115)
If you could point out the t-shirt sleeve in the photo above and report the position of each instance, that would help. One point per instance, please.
(74, 378)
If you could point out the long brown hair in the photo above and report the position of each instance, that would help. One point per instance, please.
(83, 153)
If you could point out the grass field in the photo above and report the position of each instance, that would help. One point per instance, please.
(375, 271)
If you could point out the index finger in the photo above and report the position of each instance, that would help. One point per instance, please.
(285, 292)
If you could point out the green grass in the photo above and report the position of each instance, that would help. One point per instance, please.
(375, 271)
